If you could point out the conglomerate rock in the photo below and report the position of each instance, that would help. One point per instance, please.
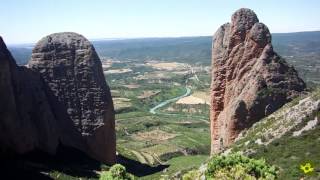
(61, 98)
(72, 72)
(26, 119)
(249, 80)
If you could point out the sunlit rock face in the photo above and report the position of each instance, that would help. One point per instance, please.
(249, 80)
(72, 72)
(61, 98)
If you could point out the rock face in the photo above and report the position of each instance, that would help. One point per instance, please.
(72, 72)
(249, 80)
(62, 98)
(26, 120)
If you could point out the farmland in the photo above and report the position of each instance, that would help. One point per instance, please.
(176, 132)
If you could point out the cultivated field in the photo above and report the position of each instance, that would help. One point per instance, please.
(167, 137)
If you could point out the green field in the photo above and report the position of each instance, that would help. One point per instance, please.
(177, 138)
(166, 138)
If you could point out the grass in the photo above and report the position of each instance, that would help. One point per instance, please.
(179, 164)
(279, 118)
(61, 176)
(135, 114)
(192, 134)
(289, 153)
(187, 136)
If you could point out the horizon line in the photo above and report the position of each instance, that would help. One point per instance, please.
(149, 37)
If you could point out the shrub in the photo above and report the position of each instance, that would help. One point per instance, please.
(237, 172)
(192, 175)
(237, 166)
(116, 172)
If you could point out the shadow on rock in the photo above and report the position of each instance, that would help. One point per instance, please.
(67, 161)
(38, 165)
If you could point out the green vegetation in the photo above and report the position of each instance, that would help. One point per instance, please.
(236, 172)
(159, 139)
(191, 175)
(262, 129)
(316, 94)
(175, 136)
(166, 139)
(179, 135)
(184, 49)
(179, 166)
(116, 172)
(299, 49)
(237, 166)
(287, 152)
(290, 152)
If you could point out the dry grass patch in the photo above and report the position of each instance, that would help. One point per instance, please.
(167, 65)
(154, 135)
(161, 149)
(191, 100)
(148, 93)
(153, 75)
(115, 93)
(117, 71)
(120, 103)
(106, 64)
(205, 95)
(132, 86)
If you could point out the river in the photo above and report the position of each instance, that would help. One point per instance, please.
(153, 110)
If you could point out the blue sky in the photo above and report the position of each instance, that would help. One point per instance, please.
(25, 21)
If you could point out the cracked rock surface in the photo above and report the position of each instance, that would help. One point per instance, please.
(62, 97)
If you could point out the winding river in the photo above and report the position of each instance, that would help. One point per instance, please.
(153, 110)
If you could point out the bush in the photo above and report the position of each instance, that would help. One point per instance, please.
(237, 166)
(116, 172)
(192, 175)
(236, 172)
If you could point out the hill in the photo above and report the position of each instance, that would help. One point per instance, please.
(182, 49)
(301, 49)
(287, 139)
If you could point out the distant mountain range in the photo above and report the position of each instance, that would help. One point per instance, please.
(302, 49)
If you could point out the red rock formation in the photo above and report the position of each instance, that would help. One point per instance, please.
(249, 80)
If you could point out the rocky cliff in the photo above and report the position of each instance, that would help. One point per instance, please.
(249, 80)
(62, 98)
(26, 120)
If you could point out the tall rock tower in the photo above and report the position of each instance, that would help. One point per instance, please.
(61, 99)
(249, 80)
(78, 93)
